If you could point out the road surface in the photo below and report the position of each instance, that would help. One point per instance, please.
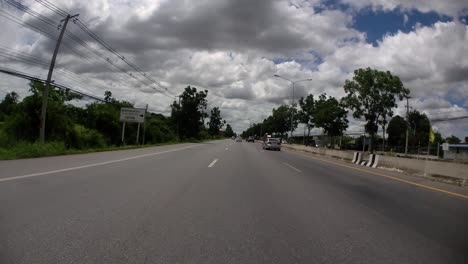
(222, 202)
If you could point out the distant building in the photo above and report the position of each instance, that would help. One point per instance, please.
(455, 151)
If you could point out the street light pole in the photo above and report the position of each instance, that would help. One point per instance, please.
(407, 124)
(292, 101)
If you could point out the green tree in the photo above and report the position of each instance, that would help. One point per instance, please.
(23, 123)
(281, 119)
(419, 125)
(453, 140)
(216, 122)
(105, 118)
(397, 131)
(228, 132)
(372, 94)
(190, 114)
(7, 106)
(330, 115)
(307, 112)
(108, 96)
(158, 129)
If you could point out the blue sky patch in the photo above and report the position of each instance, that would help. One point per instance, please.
(377, 24)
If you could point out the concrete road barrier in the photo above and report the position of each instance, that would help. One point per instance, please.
(409, 165)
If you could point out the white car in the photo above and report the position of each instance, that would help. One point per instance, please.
(272, 143)
(239, 139)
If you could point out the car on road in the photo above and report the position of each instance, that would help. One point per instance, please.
(272, 143)
(238, 139)
(250, 139)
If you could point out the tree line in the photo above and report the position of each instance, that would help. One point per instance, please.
(97, 124)
(371, 95)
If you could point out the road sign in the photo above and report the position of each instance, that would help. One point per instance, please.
(445, 146)
(132, 115)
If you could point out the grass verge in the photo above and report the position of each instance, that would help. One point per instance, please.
(24, 150)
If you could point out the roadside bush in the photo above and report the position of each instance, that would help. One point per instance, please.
(82, 138)
(32, 150)
(4, 140)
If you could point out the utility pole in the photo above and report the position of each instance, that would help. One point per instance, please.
(144, 125)
(178, 117)
(45, 94)
(407, 124)
(261, 125)
(292, 113)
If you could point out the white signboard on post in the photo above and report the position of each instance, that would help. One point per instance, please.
(445, 146)
(132, 115)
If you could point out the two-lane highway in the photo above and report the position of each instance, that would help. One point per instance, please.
(220, 202)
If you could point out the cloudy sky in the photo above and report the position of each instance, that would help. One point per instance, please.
(232, 48)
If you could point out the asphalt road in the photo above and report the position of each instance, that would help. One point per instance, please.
(220, 202)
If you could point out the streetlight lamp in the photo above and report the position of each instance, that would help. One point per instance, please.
(292, 101)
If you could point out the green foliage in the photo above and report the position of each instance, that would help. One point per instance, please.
(32, 150)
(23, 123)
(229, 132)
(84, 138)
(190, 114)
(453, 140)
(8, 105)
(372, 94)
(216, 122)
(253, 130)
(307, 112)
(280, 120)
(158, 129)
(419, 126)
(4, 139)
(330, 115)
(396, 131)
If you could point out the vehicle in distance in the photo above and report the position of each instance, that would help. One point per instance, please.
(272, 143)
(239, 139)
(250, 139)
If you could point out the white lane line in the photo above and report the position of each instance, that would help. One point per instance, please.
(294, 168)
(90, 165)
(213, 163)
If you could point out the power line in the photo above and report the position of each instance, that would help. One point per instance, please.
(112, 50)
(40, 31)
(34, 78)
(52, 7)
(37, 62)
(99, 40)
(57, 85)
(74, 38)
(20, 22)
(31, 12)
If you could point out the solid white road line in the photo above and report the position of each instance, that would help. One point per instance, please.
(212, 163)
(294, 168)
(91, 165)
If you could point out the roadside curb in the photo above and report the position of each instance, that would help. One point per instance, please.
(461, 182)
